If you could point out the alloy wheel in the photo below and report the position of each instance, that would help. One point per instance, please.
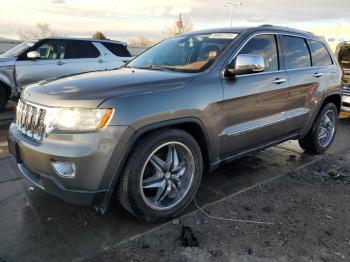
(167, 175)
(327, 128)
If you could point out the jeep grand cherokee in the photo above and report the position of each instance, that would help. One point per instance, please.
(148, 131)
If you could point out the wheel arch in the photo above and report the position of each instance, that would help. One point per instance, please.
(191, 125)
(334, 98)
(7, 87)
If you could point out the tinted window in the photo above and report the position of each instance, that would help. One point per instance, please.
(319, 54)
(117, 49)
(264, 45)
(52, 49)
(82, 49)
(295, 52)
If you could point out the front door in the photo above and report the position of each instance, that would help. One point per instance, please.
(59, 58)
(253, 106)
(49, 65)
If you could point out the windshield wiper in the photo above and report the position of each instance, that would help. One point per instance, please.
(153, 67)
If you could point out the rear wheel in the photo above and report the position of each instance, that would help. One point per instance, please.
(323, 131)
(3, 97)
(162, 175)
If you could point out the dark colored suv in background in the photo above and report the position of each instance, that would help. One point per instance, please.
(149, 130)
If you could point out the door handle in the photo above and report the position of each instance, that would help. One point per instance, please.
(317, 75)
(60, 63)
(278, 81)
(101, 61)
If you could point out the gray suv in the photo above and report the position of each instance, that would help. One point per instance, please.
(37, 60)
(148, 131)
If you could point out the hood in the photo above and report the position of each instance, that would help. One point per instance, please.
(91, 89)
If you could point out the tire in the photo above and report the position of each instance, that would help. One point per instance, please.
(311, 142)
(3, 98)
(135, 191)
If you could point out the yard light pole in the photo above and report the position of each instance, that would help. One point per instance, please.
(232, 5)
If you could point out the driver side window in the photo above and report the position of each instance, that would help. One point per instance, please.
(265, 46)
(52, 50)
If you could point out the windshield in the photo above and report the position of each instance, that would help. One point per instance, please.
(192, 53)
(19, 49)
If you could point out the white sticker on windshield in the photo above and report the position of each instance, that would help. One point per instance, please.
(223, 35)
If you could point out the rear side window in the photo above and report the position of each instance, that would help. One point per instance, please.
(81, 49)
(117, 49)
(265, 46)
(295, 52)
(319, 54)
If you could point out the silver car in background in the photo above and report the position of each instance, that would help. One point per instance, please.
(44, 59)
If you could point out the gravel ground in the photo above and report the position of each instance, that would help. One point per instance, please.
(309, 210)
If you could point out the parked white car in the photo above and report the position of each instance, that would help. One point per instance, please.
(37, 60)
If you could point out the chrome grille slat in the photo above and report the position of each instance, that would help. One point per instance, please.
(30, 120)
(21, 114)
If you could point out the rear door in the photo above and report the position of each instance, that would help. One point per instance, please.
(253, 104)
(82, 56)
(304, 80)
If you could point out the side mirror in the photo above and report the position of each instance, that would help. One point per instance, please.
(33, 55)
(246, 64)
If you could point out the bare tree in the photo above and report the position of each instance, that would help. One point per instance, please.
(183, 25)
(99, 35)
(43, 30)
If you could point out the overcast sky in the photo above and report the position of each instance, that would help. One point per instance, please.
(131, 18)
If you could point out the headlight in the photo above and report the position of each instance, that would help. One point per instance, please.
(76, 119)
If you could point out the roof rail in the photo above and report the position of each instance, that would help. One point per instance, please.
(286, 28)
(266, 25)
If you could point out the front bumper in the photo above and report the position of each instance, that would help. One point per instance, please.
(52, 186)
(95, 155)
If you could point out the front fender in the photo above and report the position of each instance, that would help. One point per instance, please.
(201, 101)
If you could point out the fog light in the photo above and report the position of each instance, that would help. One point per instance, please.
(64, 169)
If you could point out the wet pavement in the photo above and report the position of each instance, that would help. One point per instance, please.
(35, 226)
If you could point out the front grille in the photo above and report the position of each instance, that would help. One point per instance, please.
(30, 120)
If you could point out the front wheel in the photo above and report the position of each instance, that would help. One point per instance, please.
(323, 131)
(162, 175)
